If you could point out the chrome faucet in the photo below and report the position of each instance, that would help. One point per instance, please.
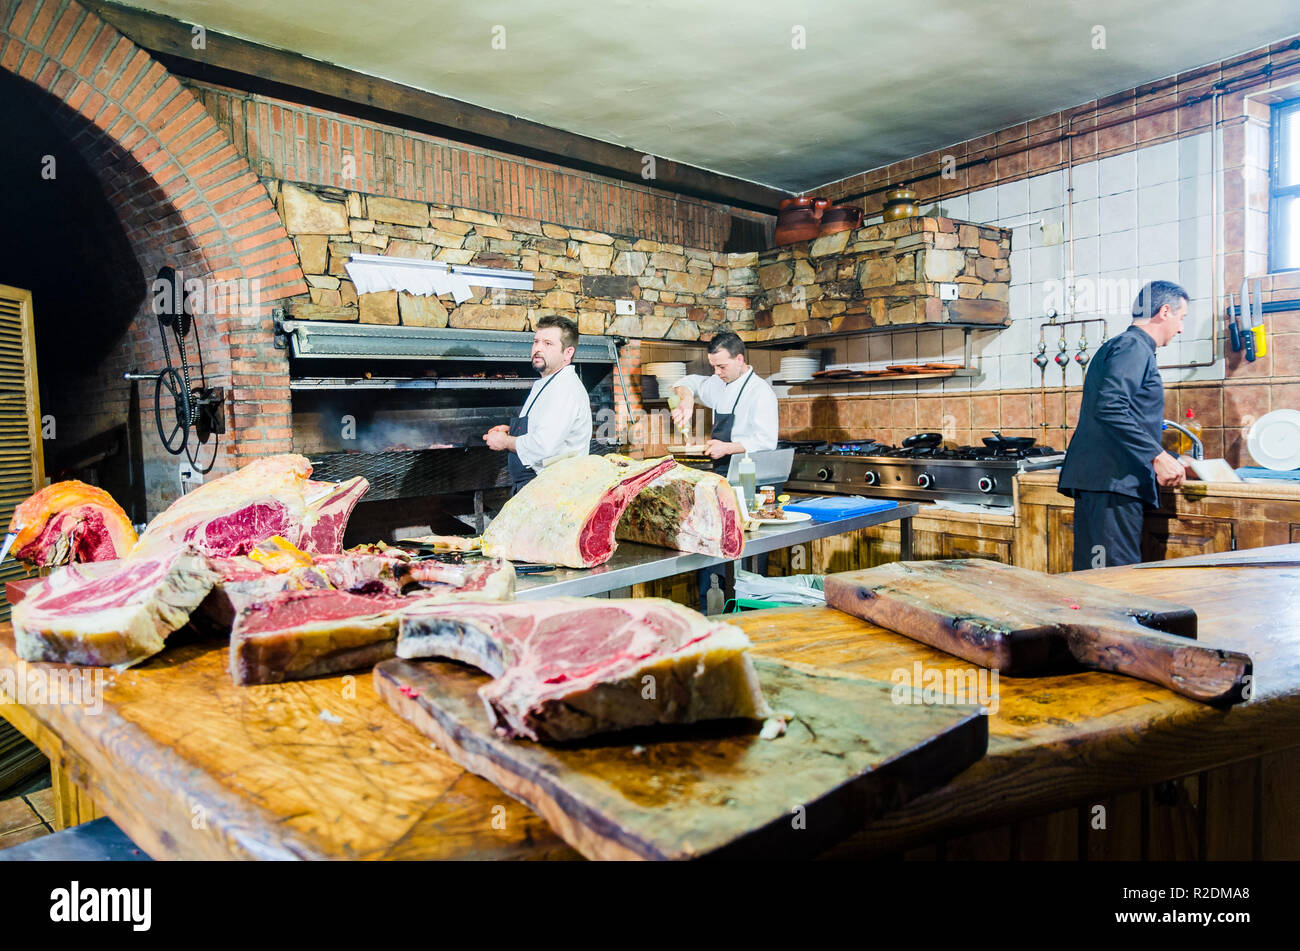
(1198, 448)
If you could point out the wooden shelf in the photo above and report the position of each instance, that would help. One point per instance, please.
(885, 378)
(793, 343)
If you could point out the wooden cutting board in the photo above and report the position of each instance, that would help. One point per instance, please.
(1018, 621)
(707, 789)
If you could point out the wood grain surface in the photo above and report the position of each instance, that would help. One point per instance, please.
(270, 776)
(709, 789)
(1019, 621)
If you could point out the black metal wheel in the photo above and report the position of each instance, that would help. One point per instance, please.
(172, 411)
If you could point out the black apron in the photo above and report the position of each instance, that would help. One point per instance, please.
(520, 474)
(722, 425)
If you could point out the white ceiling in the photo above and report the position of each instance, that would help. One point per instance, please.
(717, 84)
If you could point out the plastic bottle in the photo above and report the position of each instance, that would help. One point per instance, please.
(1193, 424)
(1175, 442)
(714, 599)
(748, 479)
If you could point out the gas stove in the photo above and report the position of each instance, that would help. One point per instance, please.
(975, 474)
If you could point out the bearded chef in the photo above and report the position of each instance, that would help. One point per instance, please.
(743, 403)
(555, 421)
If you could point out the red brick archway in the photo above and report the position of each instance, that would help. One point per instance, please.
(184, 195)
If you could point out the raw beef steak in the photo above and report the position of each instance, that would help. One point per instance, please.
(689, 510)
(69, 523)
(114, 620)
(568, 514)
(270, 496)
(291, 634)
(566, 668)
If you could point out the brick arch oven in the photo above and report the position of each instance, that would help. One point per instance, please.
(182, 196)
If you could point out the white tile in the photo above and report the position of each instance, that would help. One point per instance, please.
(1046, 191)
(1194, 196)
(1158, 245)
(1045, 264)
(988, 378)
(1015, 339)
(1158, 204)
(1194, 237)
(1086, 260)
(953, 345)
(1117, 173)
(1019, 263)
(1199, 324)
(1083, 179)
(1022, 236)
(984, 205)
(1086, 220)
(1013, 200)
(1118, 212)
(880, 348)
(1014, 371)
(929, 345)
(931, 387)
(1019, 302)
(1157, 163)
(1195, 277)
(956, 207)
(1118, 250)
(1194, 155)
(957, 384)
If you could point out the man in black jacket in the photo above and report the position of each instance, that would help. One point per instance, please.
(1115, 460)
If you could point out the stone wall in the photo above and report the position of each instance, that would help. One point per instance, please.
(887, 273)
(680, 293)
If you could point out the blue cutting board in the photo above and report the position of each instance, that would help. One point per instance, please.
(826, 510)
(1259, 472)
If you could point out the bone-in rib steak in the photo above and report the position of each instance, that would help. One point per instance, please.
(566, 668)
(115, 619)
(69, 523)
(568, 514)
(689, 510)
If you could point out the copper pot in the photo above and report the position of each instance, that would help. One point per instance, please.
(799, 219)
(840, 218)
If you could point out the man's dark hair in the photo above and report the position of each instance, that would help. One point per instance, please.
(729, 342)
(1154, 296)
(568, 329)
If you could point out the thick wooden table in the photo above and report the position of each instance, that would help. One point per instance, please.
(191, 766)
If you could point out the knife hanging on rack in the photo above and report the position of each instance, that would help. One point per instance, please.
(1243, 323)
(1232, 325)
(1257, 321)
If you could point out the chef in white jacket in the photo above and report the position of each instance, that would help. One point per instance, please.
(743, 403)
(555, 421)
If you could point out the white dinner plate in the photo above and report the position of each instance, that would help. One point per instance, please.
(1274, 440)
(789, 518)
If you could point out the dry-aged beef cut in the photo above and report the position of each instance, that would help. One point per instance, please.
(111, 620)
(566, 668)
(69, 523)
(289, 635)
(271, 496)
(689, 510)
(568, 514)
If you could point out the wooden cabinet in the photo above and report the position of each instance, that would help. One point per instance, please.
(1197, 518)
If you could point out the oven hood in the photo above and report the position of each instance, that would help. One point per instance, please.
(324, 339)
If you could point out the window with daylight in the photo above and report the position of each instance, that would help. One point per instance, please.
(1284, 187)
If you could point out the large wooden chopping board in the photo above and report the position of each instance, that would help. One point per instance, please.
(710, 789)
(1017, 621)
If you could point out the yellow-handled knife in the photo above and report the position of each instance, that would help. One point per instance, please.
(1257, 320)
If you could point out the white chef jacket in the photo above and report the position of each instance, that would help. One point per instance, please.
(756, 426)
(559, 420)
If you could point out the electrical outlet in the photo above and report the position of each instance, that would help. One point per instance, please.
(947, 292)
(624, 308)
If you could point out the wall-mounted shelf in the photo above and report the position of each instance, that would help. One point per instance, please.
(885, 378)
(794, 343)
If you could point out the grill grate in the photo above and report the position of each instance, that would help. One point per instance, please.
(416, 473)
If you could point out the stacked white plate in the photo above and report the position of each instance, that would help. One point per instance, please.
(797, 369)
(668, 374)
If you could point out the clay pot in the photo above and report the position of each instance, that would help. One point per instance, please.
(840, 218)
(900, 203)
(799, 219)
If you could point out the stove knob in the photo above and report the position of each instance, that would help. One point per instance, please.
(823, 475)
(925, 480)
(871, 478)
(987, 484)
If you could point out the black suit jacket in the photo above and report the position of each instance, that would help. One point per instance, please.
(1120, 421)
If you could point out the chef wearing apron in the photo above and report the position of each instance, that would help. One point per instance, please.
(555, 420)
(743, 403)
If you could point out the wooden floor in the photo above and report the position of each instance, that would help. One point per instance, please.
(27, 816)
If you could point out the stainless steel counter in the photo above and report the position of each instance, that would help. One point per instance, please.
(635, 564)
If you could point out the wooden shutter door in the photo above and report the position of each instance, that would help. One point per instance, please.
(22, 465)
